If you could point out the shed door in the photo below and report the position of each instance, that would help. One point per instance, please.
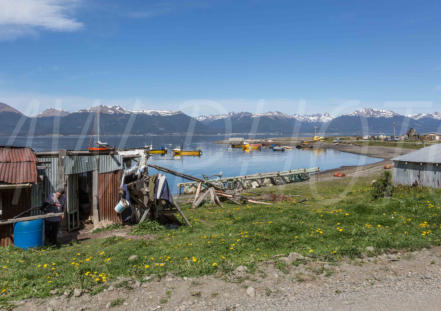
(108, 195)
(72, 206)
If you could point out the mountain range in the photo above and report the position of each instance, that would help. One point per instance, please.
(116, 120)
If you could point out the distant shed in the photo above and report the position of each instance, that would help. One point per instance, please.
(419, 168)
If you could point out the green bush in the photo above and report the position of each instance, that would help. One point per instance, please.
(147, 227)
(382, 187)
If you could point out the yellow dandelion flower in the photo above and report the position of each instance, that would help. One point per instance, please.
(214, 264)
(194, 259)
(146, 266)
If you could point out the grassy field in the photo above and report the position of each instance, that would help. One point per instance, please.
(334, 222)
(392, 144)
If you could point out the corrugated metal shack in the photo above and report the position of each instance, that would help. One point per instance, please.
(92, 183)
(419, 168)
(18, 176)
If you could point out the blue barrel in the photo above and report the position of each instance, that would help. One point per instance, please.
(29, 234)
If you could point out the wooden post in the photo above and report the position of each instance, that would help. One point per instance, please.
(198, 190)
(95, 189)
(62, 181)
(182, 213)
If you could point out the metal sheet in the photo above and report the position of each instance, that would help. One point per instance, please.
(427, 175)
(17, 165)
(17, 154)
(50, 176)
(430, 154)
(79, 164)
(110, 163)
(108, 195)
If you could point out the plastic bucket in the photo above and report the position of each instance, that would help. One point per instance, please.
(120, 207)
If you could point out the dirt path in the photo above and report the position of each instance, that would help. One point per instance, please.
(401, 281)
(381, 152)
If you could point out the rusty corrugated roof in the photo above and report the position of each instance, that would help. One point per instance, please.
(17, 165)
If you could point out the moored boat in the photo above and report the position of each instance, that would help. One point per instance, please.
(279, 148)
(194, 153)
(247, 147)
(162, 151)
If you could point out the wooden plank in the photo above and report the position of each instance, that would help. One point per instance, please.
(198, 190)
(13, 221)
(186, 176)
(95, 215)
(182, 213)
(201, 199)
(14, 186)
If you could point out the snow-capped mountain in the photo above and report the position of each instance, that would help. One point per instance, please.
(373, 113)
(435, 115)
(231, 115)
(115, 119)
(120, 110)
(319, 117)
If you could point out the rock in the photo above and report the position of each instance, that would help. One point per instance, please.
(53, 292)
(111, 288)
(137, 284)
(392, 257)
(151, 277)
(77, 292)
(251, 291)
(66, 293)
(370, 249)
(240, 269)
(108, 305)
(133, 258)
(291, 258)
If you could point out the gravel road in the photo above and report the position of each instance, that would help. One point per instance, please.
(408, 281)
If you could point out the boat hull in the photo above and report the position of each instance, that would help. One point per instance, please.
(158, 151)
(193, 153)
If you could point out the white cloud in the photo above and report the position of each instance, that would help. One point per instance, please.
(28, 17)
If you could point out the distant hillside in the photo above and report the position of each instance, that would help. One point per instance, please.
(112, 121)
(116, 120)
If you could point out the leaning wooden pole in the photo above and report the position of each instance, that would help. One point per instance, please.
(185, 176)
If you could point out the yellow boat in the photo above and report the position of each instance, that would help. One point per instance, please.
(158, 151)
(248, 147)
(194, 153)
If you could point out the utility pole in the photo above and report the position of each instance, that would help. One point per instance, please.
(395, 135)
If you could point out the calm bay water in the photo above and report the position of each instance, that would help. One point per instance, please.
(216, 159)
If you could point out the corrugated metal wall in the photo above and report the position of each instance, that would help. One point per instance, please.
(110, 163)
(428, 175)
(50, 180)
(82, 164)
(108, 195)
(79, 164)
(14, 201)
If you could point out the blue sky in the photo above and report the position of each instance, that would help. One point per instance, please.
(218, 56)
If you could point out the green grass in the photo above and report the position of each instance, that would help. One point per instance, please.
(117, 302)
(336, 221)
(399, 144)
